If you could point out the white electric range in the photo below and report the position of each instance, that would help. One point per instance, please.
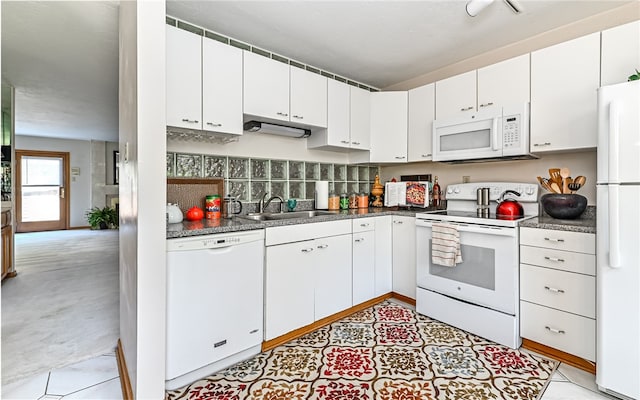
(479, 295)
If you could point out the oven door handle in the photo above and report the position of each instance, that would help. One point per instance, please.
(487, 230)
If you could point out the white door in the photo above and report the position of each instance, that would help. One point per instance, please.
(221, 87)
(404, 256)
(308, 98)
(618, 274)
(184, 78)
(360, 121)
(389, 111)
(289, 287)
(363, 266)
(504, 84)
(338, 114)
(420, 126)
(620, 49)
(488, 274)
(456, 96)
(332, 275)
(383, 255)
(266, 87)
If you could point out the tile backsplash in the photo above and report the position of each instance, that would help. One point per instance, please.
(248, 178)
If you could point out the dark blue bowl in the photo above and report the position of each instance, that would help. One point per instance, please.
(563, 206)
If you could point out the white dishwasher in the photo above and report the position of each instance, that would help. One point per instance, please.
(214, 303)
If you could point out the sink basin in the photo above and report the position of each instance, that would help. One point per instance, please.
(287, 215)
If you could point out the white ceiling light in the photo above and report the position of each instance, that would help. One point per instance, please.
(474, 7)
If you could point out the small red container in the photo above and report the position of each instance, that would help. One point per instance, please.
(212, 207)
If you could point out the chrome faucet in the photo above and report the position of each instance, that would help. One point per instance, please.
(262, 204)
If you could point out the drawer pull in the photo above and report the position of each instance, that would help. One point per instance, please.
(359, 240)
(554, 330)
(323, 246)
(309, 250)
(364, 225)
(553, 259)
(554, 289)
(554, 240)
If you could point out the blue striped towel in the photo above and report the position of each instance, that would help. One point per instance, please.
(445, 245)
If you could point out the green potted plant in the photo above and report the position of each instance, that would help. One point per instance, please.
(102, 218)
(635, 76)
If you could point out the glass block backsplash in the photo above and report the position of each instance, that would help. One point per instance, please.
(249, 178)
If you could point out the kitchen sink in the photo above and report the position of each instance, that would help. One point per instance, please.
(287, 215)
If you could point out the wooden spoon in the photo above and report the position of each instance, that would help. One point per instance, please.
(556, 187)
(544, 183)
(580, 180)
(565, 173)
(554, 173)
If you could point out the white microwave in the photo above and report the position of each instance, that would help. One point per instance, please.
(488, 135)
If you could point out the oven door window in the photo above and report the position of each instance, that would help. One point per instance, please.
(488, 274)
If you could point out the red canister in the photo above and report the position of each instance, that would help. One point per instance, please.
(212, 207)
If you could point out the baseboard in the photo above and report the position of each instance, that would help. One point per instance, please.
(403, 298)
(270, 344)
(71, 228)
(125, 383)
(560, 355)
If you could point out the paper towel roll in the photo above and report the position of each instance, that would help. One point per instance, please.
(322, 195)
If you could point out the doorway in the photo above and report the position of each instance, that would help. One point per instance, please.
(42, 193)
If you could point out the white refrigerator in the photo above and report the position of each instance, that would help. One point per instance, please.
(618, 240)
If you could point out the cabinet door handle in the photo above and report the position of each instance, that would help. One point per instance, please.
(466, 109)
(359, 240)
(551, 289)
(356, 143)
(191, 121)
(554, 330)
(425, 155)
(400, 157)
(486, 104)
(309, 250)
(344, 141)
(553, 259)
(364, 225)
(282, 114)
(542, 144)
(554, 240)
(398, 222)
(323, 246)
(297, 116)
(212, 124)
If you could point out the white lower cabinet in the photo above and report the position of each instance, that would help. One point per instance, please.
(558, 290)
(306, 280)
(363, 264)
(404, 256)
(383, 255)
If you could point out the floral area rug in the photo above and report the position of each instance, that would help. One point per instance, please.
(384, 352)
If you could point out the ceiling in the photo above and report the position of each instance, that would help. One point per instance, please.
(62, 57)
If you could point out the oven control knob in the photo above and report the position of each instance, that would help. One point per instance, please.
(456, 190)
(450, 190)
(529, 191)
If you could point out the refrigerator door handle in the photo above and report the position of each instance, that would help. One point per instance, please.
(614, 226)
(614, 143)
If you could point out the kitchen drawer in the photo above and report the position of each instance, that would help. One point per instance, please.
(581, 263)
(558, 329)
(363, 224)
(559, 240)
(566, 291)
(300, 232)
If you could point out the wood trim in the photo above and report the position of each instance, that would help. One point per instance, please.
(270, 344)
(559, 355)
(403, 298)
(125, 383)
(79, 227)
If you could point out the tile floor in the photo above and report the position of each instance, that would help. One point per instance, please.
(93, 379)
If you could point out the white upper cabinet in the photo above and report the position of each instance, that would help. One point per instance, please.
(564, 82)
(308, 98)
(360, 113)
(184, 78)
(266, 87)
(421, 116)
(277, 91)
(456, 95)
(221, 87)
(620, 53)
(504, 83)
(389, 112)
(496, 85)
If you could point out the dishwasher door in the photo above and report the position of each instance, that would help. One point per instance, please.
(214, 298)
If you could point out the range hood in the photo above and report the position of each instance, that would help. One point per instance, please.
(274, 129)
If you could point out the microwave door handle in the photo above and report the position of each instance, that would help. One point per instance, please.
(494, 141)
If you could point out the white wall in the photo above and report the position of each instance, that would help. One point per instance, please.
(583, 163)
(79, 156)
(143, 195)
(263, 146)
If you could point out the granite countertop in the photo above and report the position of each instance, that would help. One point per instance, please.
(236, 224)
(586, 223)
